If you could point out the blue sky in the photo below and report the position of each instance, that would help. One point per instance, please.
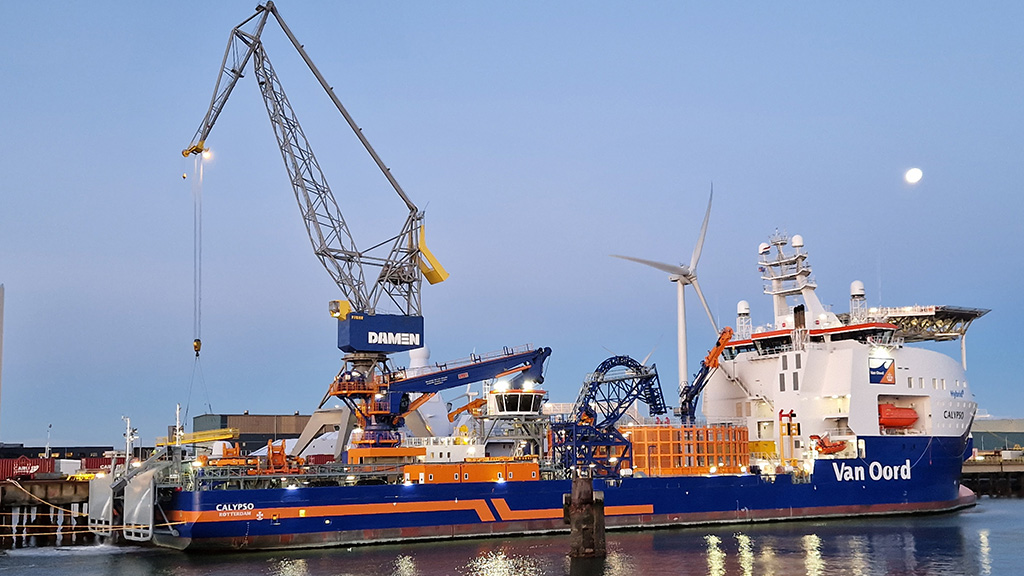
(540, 137)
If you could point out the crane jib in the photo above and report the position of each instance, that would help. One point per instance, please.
(389, 273)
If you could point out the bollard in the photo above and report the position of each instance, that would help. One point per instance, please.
(6, 527)
(81, 526)
(583, 510)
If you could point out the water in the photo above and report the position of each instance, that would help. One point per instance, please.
(985, 540)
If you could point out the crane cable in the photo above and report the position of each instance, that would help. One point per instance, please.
(197, 281)
(197, 255)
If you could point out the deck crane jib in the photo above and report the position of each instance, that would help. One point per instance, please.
(385, 277)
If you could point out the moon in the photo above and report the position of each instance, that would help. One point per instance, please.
(913, 176)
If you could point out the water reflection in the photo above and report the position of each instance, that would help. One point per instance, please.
(984, 552)
(404, 566)
(812, 553)
(746, 554)
(501, 564)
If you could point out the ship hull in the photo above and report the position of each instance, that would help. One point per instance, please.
(897, 475)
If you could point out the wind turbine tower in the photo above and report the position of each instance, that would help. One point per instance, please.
(684, 275)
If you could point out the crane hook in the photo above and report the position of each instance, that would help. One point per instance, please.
(196, 345)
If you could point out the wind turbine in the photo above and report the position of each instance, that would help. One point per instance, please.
(683, 275)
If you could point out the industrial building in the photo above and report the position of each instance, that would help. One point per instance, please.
(254, 430)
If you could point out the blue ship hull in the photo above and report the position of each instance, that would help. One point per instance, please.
(899, 474)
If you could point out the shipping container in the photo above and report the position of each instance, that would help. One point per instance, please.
(99, 463)
(22, 467)
(318, 459)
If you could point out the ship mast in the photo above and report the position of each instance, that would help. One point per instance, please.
(789, 275)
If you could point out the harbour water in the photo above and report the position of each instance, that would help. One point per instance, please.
(985, 540)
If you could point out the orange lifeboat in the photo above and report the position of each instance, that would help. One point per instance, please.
(825, 445)
(892, 416)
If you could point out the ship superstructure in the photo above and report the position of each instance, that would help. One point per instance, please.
(838, 378)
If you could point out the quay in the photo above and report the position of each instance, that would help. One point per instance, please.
(44, 513)
(994, 477)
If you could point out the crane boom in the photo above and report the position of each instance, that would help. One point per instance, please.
(691, 393)
(399, 261)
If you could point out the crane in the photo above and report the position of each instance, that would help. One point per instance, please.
(589, 442)
(690, 393)
(386, 276)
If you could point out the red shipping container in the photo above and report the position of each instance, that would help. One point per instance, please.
(318, 459)
(97, 463)
(23, 467)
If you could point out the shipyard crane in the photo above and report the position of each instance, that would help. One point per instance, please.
(589, 443)
(386, 276)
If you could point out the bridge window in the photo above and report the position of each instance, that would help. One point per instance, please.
(796, 381)
(782, 382)
(797, 361)
(935, 383)
(784, 366)
(910, 382)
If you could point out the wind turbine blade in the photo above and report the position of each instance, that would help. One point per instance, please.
(703, 231)
(693, 281)
(670, 268)
(649, 354)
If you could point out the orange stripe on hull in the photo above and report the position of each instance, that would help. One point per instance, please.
(508, 514)
(478, 506)
(629, 510)
(545, 514)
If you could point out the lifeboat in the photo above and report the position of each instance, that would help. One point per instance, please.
(825, 445)
(892, 416)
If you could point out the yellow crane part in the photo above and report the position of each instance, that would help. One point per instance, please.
(198, 437)
(431, 268)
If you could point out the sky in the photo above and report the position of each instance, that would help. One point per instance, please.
(539, 138)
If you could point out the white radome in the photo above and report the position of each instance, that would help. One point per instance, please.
(913, 176)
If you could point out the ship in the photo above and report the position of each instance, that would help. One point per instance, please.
(815, 415)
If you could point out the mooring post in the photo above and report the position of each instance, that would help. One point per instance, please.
(6, 527)
(583, 510)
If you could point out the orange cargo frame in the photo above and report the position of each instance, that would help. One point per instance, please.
(689, 450)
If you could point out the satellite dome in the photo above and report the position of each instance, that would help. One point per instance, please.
(743, 308)
(764, 248)
(798, 241)
(856, 288)
(418, 357)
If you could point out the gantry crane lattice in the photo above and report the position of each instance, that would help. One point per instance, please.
(388, 275)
